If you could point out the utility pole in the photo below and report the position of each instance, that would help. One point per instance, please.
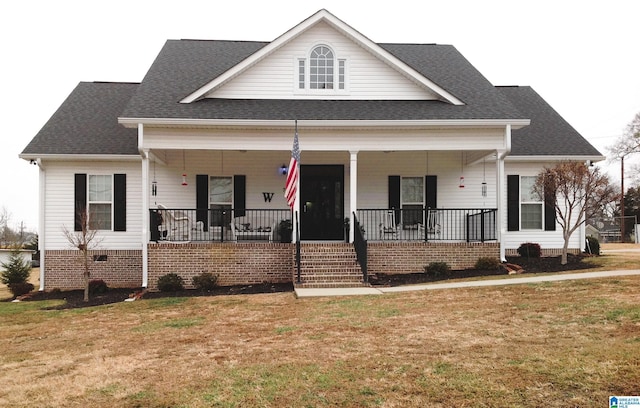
(622, 199)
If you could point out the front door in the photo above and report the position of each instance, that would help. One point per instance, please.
(322, 202)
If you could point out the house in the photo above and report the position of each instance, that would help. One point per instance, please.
(407, 153)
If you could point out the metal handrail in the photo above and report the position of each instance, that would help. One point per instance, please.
(360, 245)
(415, 223)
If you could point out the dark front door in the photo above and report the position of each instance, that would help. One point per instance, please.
(321, 202)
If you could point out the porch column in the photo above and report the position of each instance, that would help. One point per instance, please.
(145, 214)
(353, 191)
(500, 188)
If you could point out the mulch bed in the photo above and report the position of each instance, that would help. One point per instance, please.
(529, 265)
(74, 298)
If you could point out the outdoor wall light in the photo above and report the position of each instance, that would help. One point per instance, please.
(283, 170)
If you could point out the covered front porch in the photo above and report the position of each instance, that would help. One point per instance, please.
(404, 184)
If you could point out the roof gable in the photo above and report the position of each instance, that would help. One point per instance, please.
(429, 88)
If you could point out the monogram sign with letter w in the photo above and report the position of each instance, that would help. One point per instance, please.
(267, 197)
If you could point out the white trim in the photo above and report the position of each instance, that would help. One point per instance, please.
(144, 234)
(550, 158)
(345, 29)
(286, 124)
(42, 236)
(76, 157)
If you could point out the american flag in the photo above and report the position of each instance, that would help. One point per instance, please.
(291, 188)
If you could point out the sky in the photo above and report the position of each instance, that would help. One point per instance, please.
(581, 56)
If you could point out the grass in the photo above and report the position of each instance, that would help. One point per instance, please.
(553, 344)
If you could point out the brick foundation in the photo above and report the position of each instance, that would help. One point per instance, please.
(246, 263)
(64, 268)
(234, 263)
(544, 252)
(408, 257)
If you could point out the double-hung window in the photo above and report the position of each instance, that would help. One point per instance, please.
(531, 206)
(412, 200)
(100, 201)
(220, 199)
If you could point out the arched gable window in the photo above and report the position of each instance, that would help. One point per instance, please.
(321, 66)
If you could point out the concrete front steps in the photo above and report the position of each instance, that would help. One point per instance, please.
(328, 265)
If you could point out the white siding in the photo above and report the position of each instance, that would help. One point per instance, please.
(275, 76)
(546, 239)
(59, 203)
(261, 169)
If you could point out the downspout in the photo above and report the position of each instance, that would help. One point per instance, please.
(144, 236)
(42, 186)
(500, 187)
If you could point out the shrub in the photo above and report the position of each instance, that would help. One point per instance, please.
(437, 269)
(97, 286)
(205, 281)
(530, 250)
(19, 289)
(594, 246)
(16, 270)
(487, 264)
(170, 282)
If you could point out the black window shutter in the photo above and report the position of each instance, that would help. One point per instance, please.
(394, 195)
(513, 202)
(80, 200)
(119, 202)
(202, 199)
(549, 211)
(431, 191)
(239, 195)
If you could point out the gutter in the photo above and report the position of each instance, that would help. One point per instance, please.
(287, 124)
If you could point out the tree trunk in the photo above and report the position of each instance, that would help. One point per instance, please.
(565, 249)
(86, 276)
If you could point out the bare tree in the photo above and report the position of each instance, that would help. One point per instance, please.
(574, 185)
(629, 142)
(84, 240)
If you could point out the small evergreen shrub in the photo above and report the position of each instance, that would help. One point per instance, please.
(437, 269)
(97, 286)
(487, 264)
(205, 281)
(15, 274)
(171, 282)
(19, 289)
(16, 270)
(530, 250)
(594, 246)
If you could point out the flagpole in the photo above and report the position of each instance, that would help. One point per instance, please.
(296, 205)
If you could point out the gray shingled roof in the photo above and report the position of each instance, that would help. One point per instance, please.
(548, 133)
(183, 66)
(87, 123)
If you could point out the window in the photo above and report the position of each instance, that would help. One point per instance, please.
(321, 68)
(412, 200)
(100, 202)
(530, 204)
(220, 200)
(341, 73)
(301, 73)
